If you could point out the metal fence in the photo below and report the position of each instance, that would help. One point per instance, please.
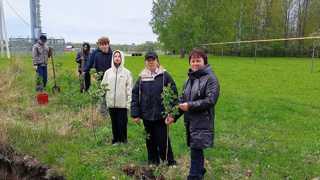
(22, 47)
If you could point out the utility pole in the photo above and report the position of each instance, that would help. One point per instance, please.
(3, 32)
(36, 30)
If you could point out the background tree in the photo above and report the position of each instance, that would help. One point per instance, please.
(183, 25)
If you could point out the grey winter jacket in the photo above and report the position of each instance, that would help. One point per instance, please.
(201, 92)
(40, 54)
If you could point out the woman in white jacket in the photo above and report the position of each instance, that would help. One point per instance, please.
(118, 98)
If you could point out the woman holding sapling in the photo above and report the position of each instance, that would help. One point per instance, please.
(118, 98)
(147, 105)
(199, 97)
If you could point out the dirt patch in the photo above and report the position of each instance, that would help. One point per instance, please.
(141, 173)
(14, 167)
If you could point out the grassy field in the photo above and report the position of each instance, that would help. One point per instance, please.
(267, 121)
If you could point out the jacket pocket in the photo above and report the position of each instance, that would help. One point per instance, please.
(200, 120)
(201, 140)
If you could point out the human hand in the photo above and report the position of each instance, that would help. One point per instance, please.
(50, 48)
(184, 106)
(137, 120)
(83, 73)
(35, 68)
(169, 120)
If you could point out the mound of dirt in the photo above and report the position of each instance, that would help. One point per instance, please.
(14, 167)
(141, 173)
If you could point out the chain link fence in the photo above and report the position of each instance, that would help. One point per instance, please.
(22, 47)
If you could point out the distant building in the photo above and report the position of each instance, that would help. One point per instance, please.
(69, 48)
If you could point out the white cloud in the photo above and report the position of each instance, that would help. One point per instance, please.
(123, 21)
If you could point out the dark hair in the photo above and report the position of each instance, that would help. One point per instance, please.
(117, 51)
(88, 48)
(198, 53)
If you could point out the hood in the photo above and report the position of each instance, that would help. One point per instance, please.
(144, 74)
(206, 69)
(86, 43)
(122, 60)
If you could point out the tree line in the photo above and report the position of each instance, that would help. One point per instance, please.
(182, 25)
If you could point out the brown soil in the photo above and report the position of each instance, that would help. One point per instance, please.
(141, 173)
(17, 167)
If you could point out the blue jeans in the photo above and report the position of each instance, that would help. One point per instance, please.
(197, 162)
(42, 72)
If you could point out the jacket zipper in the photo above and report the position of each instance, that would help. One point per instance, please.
(115, 89)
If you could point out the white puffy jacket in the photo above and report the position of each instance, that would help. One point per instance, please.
(119, 82)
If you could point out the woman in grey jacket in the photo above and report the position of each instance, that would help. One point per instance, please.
(199, 97)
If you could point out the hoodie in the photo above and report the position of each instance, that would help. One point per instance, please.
(85, 56)
(119, 80)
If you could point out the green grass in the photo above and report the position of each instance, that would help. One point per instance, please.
(266, 125)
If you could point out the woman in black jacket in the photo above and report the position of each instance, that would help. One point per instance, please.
(199, 97)
(146, 105)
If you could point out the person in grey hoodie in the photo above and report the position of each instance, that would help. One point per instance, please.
(40, 54)
(118, 98)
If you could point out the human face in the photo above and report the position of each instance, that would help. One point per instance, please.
(104, 47)
(85, 47)
(117, 59)
(152, 64)
(196, 63)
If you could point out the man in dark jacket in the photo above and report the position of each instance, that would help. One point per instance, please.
(91, 60)
(102, 62)
(199, 97)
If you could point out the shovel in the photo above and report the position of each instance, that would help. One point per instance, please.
(55, 87)
(82, 83)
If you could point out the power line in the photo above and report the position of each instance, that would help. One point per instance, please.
(17, 14)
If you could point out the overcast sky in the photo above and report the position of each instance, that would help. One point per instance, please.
(123, 21)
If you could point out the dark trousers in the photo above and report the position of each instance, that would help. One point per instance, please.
(119, 121)
(87, 80)
(42, 77)
(157, 142)
(197, 162)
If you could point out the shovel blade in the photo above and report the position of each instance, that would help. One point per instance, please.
(56, 88)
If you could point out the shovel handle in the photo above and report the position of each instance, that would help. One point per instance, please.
(54, 74)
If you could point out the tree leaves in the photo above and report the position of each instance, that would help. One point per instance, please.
(168, 97)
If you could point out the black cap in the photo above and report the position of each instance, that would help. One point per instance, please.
(43, 38)
(151, 54)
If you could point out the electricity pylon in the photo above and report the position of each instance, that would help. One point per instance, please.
(36, 30)
(3, 32)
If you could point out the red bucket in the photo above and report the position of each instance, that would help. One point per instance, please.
(43, 98)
